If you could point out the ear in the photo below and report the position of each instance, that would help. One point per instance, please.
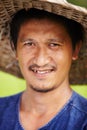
(76, 51)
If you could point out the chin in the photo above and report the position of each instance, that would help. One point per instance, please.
(41, 90)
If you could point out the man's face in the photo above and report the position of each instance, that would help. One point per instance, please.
(44, 52)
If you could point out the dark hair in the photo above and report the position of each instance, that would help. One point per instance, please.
(74, 29)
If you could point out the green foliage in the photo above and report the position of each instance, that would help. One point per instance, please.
(82, 3)
(10, 85)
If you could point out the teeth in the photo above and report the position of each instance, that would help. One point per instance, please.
(42, 72)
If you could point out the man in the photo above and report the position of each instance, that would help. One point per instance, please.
(45, 45)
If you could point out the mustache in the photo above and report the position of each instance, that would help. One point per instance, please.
(47, 66)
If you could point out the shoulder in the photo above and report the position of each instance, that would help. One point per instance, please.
(10, 98)
(79, 103)
(7, 102)
(8, 111)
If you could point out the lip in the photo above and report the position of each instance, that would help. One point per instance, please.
(42, 73)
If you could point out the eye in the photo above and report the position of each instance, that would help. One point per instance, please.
(55, 45)
(29, 43)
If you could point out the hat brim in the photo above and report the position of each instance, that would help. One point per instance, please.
(9, 7)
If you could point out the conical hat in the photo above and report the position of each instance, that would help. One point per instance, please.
(61, 7)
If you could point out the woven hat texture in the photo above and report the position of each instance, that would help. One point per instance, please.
(9, 7)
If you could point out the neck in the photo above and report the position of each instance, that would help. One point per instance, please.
(45, 103)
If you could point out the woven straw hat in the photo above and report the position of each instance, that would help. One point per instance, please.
(60, 7)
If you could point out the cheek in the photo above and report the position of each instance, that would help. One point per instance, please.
(22, 59)
(58, 57)
(63, 58)
(25, 58)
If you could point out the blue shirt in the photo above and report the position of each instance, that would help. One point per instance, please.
(73, 115)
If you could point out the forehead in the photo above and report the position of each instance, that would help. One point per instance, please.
(41, 25)
(43, 30)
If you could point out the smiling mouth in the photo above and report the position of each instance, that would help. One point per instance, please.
(41, 72)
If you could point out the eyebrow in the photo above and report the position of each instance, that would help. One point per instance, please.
(27, 39)
(56, 40)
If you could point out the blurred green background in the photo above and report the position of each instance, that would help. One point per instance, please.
(10, 85)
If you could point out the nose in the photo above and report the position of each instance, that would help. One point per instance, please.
(42, 57)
